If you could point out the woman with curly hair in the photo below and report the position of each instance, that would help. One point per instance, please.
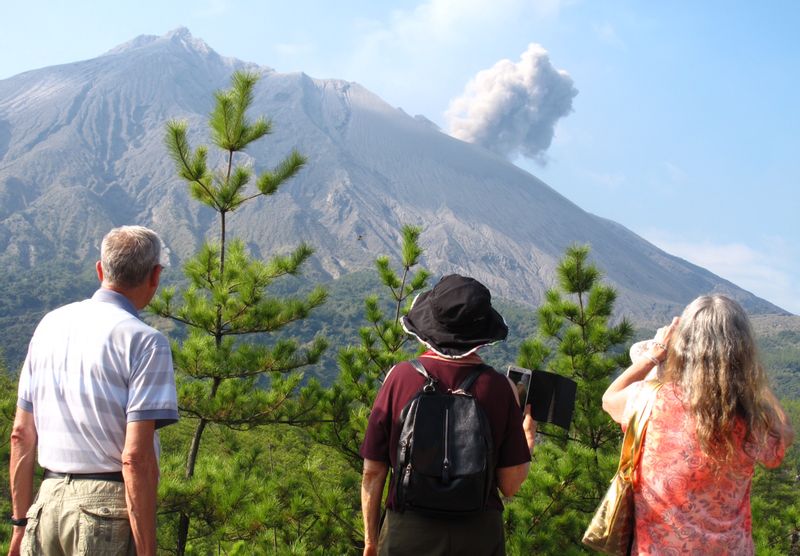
(713, 419)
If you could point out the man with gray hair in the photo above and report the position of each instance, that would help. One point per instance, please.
(96, 384)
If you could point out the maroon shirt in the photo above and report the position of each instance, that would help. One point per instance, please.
(492, 391)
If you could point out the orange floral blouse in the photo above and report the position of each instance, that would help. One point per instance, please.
(682, 505)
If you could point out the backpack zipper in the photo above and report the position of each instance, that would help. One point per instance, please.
(405, 481)
(446, 462)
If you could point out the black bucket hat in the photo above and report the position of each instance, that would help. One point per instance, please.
(455, 318)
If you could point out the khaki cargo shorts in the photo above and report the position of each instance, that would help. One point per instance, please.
(78, 517)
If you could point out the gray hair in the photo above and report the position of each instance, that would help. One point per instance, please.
(713, 357)
(128, 255)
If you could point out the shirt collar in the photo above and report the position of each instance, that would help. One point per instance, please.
(471, 359)
(106, 295)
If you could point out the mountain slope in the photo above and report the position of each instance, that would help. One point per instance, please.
(81, 150)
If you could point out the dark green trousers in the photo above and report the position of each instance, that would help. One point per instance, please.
(410, 534)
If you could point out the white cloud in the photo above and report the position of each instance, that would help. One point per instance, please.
(513, 107)
(770, 272)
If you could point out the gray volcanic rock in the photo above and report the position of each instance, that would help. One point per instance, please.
(81, 150)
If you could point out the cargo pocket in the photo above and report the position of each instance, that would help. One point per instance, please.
(31, 543)
(104, 531)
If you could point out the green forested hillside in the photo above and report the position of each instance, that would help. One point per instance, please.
(27, 296)
(781, 355)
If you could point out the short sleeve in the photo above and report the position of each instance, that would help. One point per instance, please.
(377, 437)
(513, 449)
(151, 389)
(772, 451)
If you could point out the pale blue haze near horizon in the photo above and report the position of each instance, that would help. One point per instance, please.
(685, 128)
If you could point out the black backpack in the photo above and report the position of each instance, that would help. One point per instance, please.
(445, 461)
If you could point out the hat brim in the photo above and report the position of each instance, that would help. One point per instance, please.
(421, 323)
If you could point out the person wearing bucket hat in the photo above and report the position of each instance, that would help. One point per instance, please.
(453, 320)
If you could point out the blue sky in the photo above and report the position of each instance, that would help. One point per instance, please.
(685, 128)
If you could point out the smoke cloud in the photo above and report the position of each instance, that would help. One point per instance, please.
(512, 108)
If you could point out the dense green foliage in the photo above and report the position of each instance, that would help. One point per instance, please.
(776, 499)
(266, 490)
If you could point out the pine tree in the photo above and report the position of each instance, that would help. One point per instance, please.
(362, 368)
(775, 499)
(224, 380)
(571, 469)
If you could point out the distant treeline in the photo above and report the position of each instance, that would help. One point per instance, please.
(27, 294)
(342, 315)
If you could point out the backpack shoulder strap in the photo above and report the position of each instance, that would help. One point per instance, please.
(417, 364)
(472, 377)
(430, 385)
(465, 385)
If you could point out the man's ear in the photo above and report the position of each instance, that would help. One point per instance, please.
(155, 276)
(99, 268)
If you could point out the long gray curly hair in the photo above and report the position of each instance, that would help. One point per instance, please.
(713, 358)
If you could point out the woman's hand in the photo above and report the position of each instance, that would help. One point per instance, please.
(529, 426)
(660, 344)
(616, 396)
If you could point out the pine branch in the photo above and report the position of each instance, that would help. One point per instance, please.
(336, 516)
(270, 181)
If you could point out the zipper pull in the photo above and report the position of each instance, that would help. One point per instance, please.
(406, 476)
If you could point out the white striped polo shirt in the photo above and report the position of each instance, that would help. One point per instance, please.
(92, 367)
